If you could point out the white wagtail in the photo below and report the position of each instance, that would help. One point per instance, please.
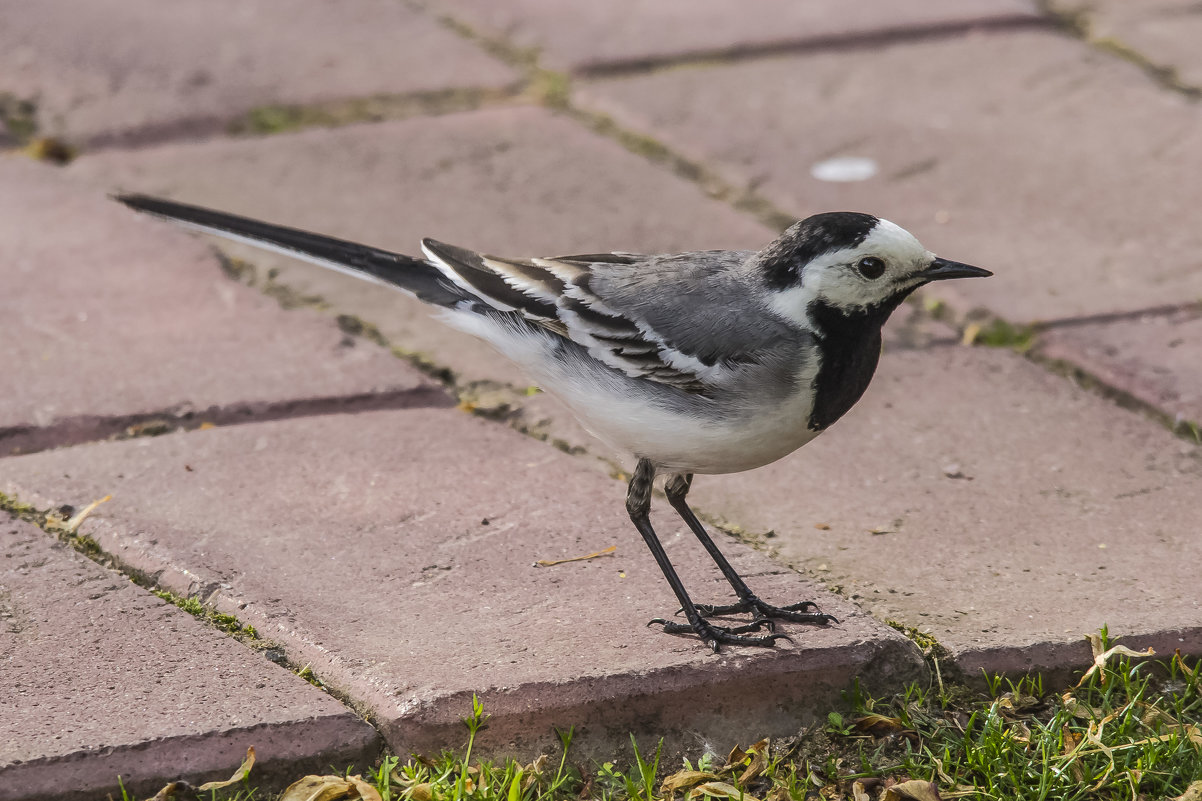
(707, 362)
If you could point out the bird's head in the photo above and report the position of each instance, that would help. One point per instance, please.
(848, 263)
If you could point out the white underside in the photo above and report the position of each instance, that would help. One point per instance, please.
(712, 439)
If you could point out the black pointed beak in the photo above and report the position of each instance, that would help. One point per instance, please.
(942, 268)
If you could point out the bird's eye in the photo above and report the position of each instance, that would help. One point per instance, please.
(871, 267)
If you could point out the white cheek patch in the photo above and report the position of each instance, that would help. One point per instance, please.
(827, 278)
(841, 288)
(792, 305)
(832, 277)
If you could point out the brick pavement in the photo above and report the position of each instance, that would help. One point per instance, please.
(103, 679)
(970, 495)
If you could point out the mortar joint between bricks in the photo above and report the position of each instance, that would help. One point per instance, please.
(200, 604)
(1078, 22)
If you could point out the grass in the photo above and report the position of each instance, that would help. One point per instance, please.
(1131, 730)
(1001, 334)
(218, 620)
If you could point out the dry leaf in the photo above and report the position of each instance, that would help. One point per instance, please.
(1019, 731)
(1100, 657)
(75, 522)
(878, 725)
(915, 789)
(759, 762)
(1192, 674)
(366, 791)
(1192, 793)
(594, 555)
(53, 521)
(861, 788)
(1080, 710)
(241, 773)
(1016, 702)
(176, 787)
(169, 791)
(532, 772)
(47, 148)
(971, 332)
(719, 790)
(1155, 716)
(685, 778)
(421, 792)
(318, 788)
(1071, 743)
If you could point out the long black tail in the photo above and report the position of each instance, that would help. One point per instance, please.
(416, 276)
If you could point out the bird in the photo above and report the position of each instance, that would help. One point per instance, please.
(702, 362)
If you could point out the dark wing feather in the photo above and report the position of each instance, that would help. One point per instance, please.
(560, 294)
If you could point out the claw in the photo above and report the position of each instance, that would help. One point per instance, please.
(713, 636)
(794, 613)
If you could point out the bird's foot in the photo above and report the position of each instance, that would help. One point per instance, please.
(713, 636)
(804, 612)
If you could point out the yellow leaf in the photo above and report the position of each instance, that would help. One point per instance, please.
(915, 789)
(317, 788)
(242, 770)
(684, 778)
(1193, 674)
(878, 725)
(758, 764)
(1100, 657)
(532, 772)
(366, 791)
(421, 792)
(169, 791)
(719, 790)
(47, 148)
(971, 332)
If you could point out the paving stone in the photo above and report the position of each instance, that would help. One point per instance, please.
(1152, 357)
(1062, 168)
(103, 679)
(111, 320)
(517, 181)
(591, 36)
(1166, 32)
(394, 553)
(117, 70)
(979, 497)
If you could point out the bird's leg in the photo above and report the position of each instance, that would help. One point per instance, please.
(676, 489)
(638, 504)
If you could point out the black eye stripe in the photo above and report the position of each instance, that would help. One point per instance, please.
(871, 267)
